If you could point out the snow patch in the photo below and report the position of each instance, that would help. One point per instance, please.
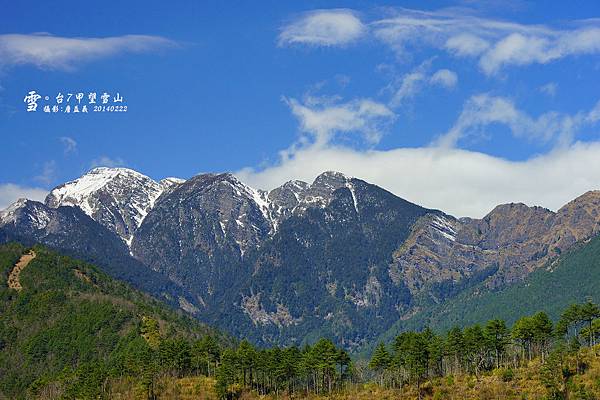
(350, 186)
(445, 227)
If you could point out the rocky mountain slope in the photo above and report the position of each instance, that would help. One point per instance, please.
(570, 278)
(338, 256)
(505, 246)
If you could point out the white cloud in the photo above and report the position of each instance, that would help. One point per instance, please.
(10, 192)
(54, 52)
(322, 118)
(549, 89)
(497, 44)
(483, 110)
(594, 115)
(105, 161)
(335, 27)
(48, 174)
(462, 183)
(466, 44)
(445, 78)
(517, 49)
(412, 83)
(69, 144)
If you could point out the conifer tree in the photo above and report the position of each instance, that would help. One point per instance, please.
(497, 336)
(380, 361)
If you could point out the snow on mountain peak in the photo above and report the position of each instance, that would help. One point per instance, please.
(118, 198)
(77, 192)
(121, 198)
(38, 217)
(170, 182)
(7, 215)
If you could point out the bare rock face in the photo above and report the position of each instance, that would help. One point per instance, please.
(505, 246)
(295, 197)
(286, 197)
(575, 221)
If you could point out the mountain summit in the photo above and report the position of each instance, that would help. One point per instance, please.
(338, 256)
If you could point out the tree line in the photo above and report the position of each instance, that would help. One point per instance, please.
(148, 356)
(319, 368)
(414, 357)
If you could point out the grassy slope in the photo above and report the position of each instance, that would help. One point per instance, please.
(574, 277)
(68, 316)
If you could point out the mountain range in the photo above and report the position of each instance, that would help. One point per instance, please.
(337, 257)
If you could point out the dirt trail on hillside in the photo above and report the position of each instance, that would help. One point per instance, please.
(13, 277)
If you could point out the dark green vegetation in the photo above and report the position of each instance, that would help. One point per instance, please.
(573, 277)
(417, 357)
(72, 330)
(317, 369)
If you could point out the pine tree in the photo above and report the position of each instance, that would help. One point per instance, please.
(412, 354)
(523, 332)
(455, 343)
(226, 374)
(496, 335)
(380, 361)
(542, 329)
(588, 312)
(474, 347)
(206, 353)
(326, 355)
(290, 366)
(247, 359)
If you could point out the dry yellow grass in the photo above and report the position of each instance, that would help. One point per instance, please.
(13, 276)
(167, 388)
(524, 384)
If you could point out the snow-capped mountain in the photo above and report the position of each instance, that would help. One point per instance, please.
(121, 198)
(338, 255)
(117, 198)
(170, 183)
(37, 218)
(295, 197)
(212, 211)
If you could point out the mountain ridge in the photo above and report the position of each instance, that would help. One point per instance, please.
(338, 256)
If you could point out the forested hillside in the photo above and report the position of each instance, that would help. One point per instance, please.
(72, 331)
(69, 331)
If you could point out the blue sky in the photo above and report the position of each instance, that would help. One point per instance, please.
(460, 106)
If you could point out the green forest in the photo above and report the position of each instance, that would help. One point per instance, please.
(72, 332)
(417, 357)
